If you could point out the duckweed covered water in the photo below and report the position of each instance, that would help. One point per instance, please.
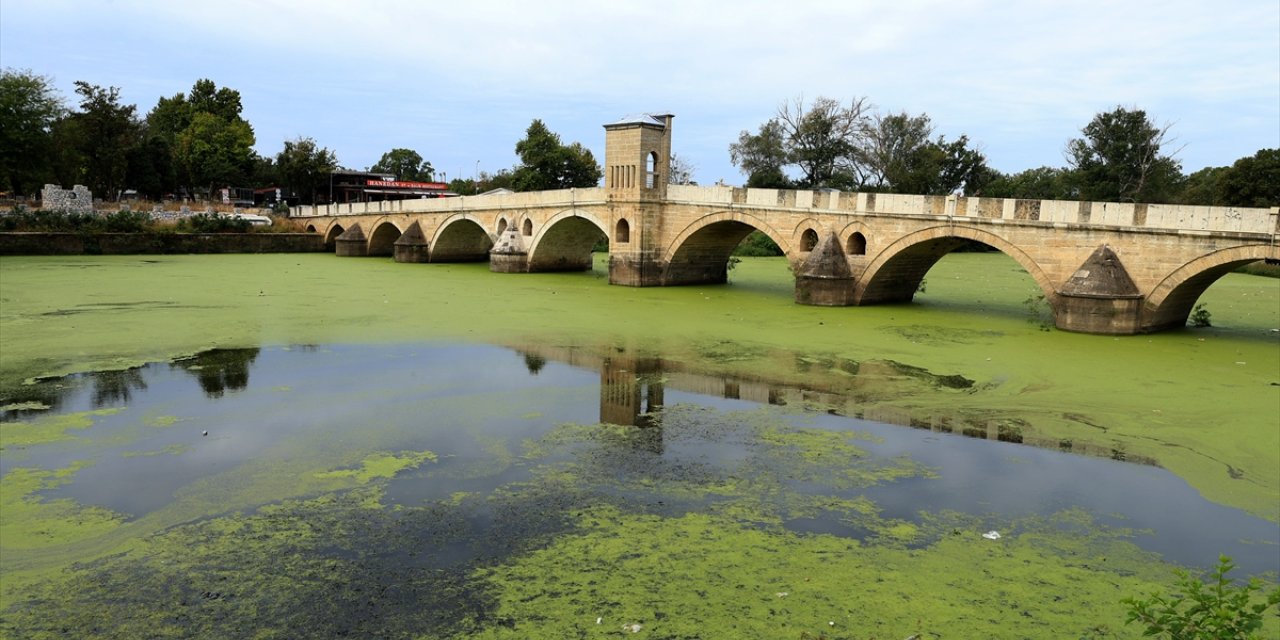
(700, 462)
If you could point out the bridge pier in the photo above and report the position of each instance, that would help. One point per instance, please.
(411, 246)
(509, 254)
(352, 242)
(825, 278)
(1100, 297)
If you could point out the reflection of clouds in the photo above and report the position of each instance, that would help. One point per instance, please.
(982, 476)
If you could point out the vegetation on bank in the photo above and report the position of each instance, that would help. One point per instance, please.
(124, 221)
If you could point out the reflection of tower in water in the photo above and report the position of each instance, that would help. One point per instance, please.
(630, 390)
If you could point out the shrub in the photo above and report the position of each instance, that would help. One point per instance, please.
(1213, 610)
(1200, 316)
(757, 244)
(213, 223)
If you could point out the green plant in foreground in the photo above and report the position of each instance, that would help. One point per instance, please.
(1213, 610)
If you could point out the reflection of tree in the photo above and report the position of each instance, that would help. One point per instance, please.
(110, 387)
(534, 363)
(218, 370)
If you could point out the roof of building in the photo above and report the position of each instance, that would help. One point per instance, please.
(645, 119)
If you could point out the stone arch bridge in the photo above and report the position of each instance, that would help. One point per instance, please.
(1104, 267)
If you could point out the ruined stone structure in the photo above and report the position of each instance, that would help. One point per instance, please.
(1104, 267)
(77, 199)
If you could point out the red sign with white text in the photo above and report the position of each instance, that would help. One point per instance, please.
(407, 185)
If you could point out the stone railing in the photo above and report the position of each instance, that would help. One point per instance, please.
(1178, 217)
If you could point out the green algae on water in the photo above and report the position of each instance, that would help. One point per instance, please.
(50, 428)
(30, 522)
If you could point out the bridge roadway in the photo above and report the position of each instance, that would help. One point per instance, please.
(1104, 267)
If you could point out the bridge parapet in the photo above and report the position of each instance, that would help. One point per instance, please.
(521, 200)
(1173, 217)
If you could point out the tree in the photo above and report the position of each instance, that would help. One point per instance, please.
(1119, 159)
(214, 151)
(406, 164)
(1252, 181)
(29, 106)
(762, 156)
(105, 131)
(1042, 183)
(895, 153)
(1203, 187)
(305, 167)
(821, 138)
(211, 145)
(818, 140)
(545, 163)
(681, 171)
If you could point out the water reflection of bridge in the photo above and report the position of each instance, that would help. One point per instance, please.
(633, 392)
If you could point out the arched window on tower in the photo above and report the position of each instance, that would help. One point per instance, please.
(651, 170)
(622, 233)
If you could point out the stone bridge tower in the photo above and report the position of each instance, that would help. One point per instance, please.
(637, 152)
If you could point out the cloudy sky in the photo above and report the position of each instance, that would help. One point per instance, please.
(459, 82)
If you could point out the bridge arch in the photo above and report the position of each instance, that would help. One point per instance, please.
(311, 228)
(460, 238)
(894, 274)
(331, 235)
(807, 234)
(565, 240)
(853, 238)
(1171, 301)
(700, 253)
(383, 239)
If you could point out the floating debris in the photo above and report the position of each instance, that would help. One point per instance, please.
(992, 535)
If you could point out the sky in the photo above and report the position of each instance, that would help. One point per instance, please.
(460, 82)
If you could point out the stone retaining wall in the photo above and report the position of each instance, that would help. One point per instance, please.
(40, 243)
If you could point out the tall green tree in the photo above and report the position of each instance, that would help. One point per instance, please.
(1120, 158)
(897, 154)
(816, 139)
(214, 152)
(762, 156)
(29, 107)
(546, 163)
(406, 164)
(305, 167)
(105, 130)
(821, 137)
(210, 143)
(1252, 181)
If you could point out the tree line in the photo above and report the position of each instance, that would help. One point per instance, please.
(1121, 155)
(192, 144)
(195, 143)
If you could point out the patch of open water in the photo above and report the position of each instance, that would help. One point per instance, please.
(479, 407)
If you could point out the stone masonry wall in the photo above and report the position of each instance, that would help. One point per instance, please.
(77, 199)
